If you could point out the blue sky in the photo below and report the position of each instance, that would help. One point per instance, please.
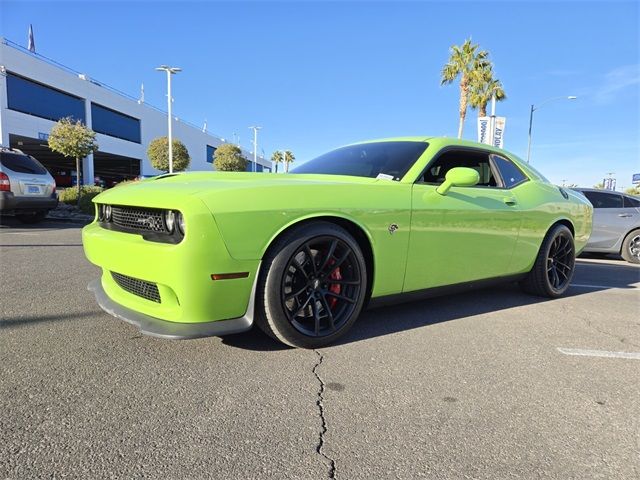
(317, 75)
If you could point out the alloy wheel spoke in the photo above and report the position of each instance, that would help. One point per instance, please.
(329, 256)
(295, 294)
(343, 282)
(325, 306)
(316, 316)
(309, 255)
(340, 261)
(303, 307)
(300, 268)
(340, 297)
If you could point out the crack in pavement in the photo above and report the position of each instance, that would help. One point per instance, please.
(324, 428)
(624, 340)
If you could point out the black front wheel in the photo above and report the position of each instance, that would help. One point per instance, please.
(554, 266)
(312, 285)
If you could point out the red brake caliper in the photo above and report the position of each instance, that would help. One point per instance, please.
(335, 288)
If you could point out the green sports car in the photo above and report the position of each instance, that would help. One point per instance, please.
(300, 254)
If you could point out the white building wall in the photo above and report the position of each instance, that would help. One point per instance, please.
(153, 122)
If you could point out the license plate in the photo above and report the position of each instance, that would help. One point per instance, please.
(33, 189)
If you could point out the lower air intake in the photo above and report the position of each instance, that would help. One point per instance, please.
(137, 287)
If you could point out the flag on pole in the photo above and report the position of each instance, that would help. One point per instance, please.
(32, 43)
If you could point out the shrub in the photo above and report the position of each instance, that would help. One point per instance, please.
(158, 153)
(228, 158)
(70, 197)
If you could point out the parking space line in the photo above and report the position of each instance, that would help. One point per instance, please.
(599, 353)
(608, 287)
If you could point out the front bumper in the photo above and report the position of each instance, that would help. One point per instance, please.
(182, 272)
(9, 202)
(156, 327)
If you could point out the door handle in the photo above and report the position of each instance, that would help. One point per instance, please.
(625, 215)
(509, 201)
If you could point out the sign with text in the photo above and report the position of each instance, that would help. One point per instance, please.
(491, 131)
(636, 179)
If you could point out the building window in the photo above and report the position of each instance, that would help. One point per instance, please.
(250, 165)
(115, 124)
(36, 99)
(211, 151)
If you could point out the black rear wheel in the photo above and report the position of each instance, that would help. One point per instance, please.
(631, 247)
(312, 285)
(554, 266)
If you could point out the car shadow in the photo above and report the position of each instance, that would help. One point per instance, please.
(9, 223)
(381, 321)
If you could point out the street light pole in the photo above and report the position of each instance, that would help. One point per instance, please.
(170, 71)
(533, 109)
(255, 147)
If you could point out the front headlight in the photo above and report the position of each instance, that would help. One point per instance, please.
(100, 208)
(169, 220)
(180, 222)
(107, 213)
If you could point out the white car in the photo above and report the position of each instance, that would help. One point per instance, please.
(27, 189)
(616, 223)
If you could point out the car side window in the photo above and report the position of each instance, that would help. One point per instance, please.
(510, 173)
(479, 161)
(631, 202)
(604, 200)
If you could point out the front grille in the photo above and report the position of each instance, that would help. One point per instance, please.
(143, 219)
(138, 287)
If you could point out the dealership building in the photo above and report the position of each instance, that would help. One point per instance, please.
(35, 92)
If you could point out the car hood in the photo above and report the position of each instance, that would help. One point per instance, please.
(167, 191)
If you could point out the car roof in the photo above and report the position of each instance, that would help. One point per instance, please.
(601, 190)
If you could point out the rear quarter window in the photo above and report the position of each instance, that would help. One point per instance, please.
(604, 200)
(631, 202)
(510, 173)
(21, 163)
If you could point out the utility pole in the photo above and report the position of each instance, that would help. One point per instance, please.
(255, 146)
(170, 71)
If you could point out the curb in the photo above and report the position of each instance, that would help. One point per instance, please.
(84, 221)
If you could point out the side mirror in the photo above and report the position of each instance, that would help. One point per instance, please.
(458, 177)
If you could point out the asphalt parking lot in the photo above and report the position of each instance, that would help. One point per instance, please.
(490, 384)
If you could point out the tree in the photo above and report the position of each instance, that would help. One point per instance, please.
(277, 158)
(158, 153)
(483, 87)
(465, 62)
(289, 157)
(228, 158)
(599, 186)
(73, 140)
(633, 190)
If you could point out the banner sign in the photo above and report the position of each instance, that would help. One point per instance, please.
(484, 125)
(43, 136)
(491, 131)
(636, 179)
(609, 183)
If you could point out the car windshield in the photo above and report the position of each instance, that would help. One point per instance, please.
(392, 160)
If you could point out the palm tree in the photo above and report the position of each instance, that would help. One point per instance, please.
(483, 87)
(277, 158)
(466, 62)
(289, 157)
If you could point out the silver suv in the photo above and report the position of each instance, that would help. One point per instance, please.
(27, 189)
(616, 223)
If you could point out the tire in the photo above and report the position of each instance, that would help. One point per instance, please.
(631, 247)
(312, 286)
(32, 217)
(554, 266)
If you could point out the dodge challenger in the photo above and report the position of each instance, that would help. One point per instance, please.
(198, 254)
